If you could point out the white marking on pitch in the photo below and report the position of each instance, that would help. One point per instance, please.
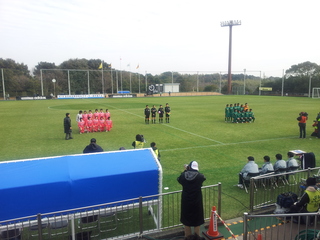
(226, 144)
(168, 125)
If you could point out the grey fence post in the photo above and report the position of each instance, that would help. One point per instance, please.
(140, 215)
(245, 229)
(39, 226)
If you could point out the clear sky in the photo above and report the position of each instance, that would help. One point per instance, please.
(166, 35)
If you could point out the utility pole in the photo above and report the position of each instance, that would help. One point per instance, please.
(230, 24)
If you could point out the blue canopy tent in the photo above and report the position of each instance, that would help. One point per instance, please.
(45, 185)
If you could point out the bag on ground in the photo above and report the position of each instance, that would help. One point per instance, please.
(286, 200)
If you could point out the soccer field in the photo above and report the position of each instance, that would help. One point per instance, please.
(196, 131)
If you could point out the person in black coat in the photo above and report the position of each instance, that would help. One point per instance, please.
(92, 147)
(191, 198)
(67, 126)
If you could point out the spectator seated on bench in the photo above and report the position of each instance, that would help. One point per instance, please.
(252, 168)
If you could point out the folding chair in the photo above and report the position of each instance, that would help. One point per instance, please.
(246, 182)
(292, 169)
(268, 180)
(282, 178)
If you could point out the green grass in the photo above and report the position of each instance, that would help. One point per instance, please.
(197, 131)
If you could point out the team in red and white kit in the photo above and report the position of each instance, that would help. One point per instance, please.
(98, 121)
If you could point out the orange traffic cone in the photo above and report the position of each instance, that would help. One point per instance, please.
(213, 232)
(259, 237)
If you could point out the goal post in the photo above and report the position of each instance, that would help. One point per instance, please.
(316, 92)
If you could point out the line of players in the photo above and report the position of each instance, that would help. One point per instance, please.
(239, 113)
(94, 122)
(153, 111)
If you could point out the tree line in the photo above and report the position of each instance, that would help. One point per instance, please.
(82, 75)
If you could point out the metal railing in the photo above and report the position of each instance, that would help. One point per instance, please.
(116, 220)
(264, 189)
(281, 226)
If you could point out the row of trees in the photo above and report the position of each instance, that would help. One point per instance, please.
(83, 76)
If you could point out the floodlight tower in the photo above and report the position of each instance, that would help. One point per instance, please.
(230, 23)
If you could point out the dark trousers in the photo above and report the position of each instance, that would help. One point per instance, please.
(302, 127)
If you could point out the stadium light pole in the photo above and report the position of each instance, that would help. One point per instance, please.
(54, 87)
(230, 24)
(309, 86)
(3, 86)
(41, 82)
(244, 82)
(283, 76)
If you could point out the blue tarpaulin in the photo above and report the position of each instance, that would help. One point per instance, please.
(32, 186)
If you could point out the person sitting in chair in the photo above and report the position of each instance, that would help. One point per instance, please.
(291, 162)
(309, 201)
(250, 167)
(267, 166)
(279, 164)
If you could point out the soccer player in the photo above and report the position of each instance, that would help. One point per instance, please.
(241, 108)
(226, 113)
(108, 124)
(101, 123)
(235, 116)
(153, 114)
(79, 116)
(101, 114)
(95, 124)
(85, 116)
(246, 107)
(89, 125)
(81, 125)
(160, 111)
(90, 115)
(147, 114)
(246, 116)
(168, 112)
(251, 115)
(107, 114)
(96, 114)
(230, 114)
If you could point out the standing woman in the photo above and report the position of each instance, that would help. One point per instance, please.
(191, 198)
(303, 117)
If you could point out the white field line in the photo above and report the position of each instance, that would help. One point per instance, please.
(227, 144)
(204, 146)
(168, 125)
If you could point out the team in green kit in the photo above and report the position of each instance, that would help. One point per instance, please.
(239, 113)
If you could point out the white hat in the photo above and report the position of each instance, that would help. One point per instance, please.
(194, 165)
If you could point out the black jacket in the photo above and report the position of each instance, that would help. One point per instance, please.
(93, 147)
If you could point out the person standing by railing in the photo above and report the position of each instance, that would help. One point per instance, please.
(191, 198)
